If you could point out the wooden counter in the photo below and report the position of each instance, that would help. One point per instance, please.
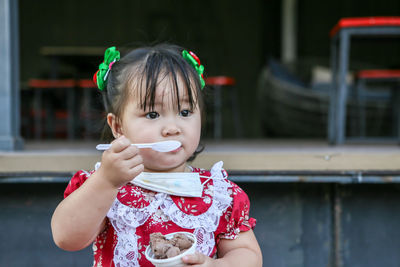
(246, 156)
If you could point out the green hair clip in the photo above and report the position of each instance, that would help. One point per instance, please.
(111, 55)
(194, 61)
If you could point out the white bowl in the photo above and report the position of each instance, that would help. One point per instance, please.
(174, 261)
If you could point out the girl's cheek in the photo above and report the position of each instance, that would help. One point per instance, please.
(147, 153)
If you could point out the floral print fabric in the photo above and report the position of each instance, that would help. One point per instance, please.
(231, 219)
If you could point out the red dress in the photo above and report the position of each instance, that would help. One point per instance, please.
(221, 212)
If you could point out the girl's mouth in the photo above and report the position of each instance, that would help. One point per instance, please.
(176, 150)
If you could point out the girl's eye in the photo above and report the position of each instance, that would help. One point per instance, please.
(185, 113)
(152, 115)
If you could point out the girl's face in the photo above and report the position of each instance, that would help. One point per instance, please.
(164, 122)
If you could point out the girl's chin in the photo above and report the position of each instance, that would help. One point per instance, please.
(160, 169)
(165, 166)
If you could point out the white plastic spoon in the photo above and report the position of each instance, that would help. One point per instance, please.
(164, 146)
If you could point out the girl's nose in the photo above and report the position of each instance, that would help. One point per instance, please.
(171, 129)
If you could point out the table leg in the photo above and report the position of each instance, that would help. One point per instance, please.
(396, 112)
(38, 113)
(217, 112)
(86, 111)
(332, 96)
(361, 108)
(341, 97)
(71, 113)
(236, 112)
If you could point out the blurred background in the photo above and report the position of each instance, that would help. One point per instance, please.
(288, 39)
(268, 65)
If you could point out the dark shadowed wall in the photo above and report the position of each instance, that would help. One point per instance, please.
(231, 37)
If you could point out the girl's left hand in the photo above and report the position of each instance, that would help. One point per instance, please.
(198, 259)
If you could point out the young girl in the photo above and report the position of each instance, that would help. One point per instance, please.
(154, 94)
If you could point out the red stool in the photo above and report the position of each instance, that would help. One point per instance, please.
(373, 76)
(217, 82)
(39, 87)
(89, 116)
(341, 36)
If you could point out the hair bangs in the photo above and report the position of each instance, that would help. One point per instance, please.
(158, 67)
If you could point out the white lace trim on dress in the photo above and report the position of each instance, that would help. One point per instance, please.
(126, 219)
(126, 252)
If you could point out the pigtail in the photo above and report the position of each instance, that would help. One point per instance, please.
(102, 78)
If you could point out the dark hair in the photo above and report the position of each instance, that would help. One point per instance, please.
(142, 68)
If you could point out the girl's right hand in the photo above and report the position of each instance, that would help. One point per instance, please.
(121, 162)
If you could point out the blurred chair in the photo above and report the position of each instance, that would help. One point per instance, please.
(45, 106)
(365, 77)
(217, 83)
(90, 116)
(341, 36)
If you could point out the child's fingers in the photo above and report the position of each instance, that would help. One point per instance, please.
(133, 161)
(196, 258)
(136, 170)
(120, 144)
(129, 152)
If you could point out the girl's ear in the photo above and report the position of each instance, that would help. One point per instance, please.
(114, 124)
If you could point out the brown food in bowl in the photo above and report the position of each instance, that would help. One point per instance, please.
(164, 248)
